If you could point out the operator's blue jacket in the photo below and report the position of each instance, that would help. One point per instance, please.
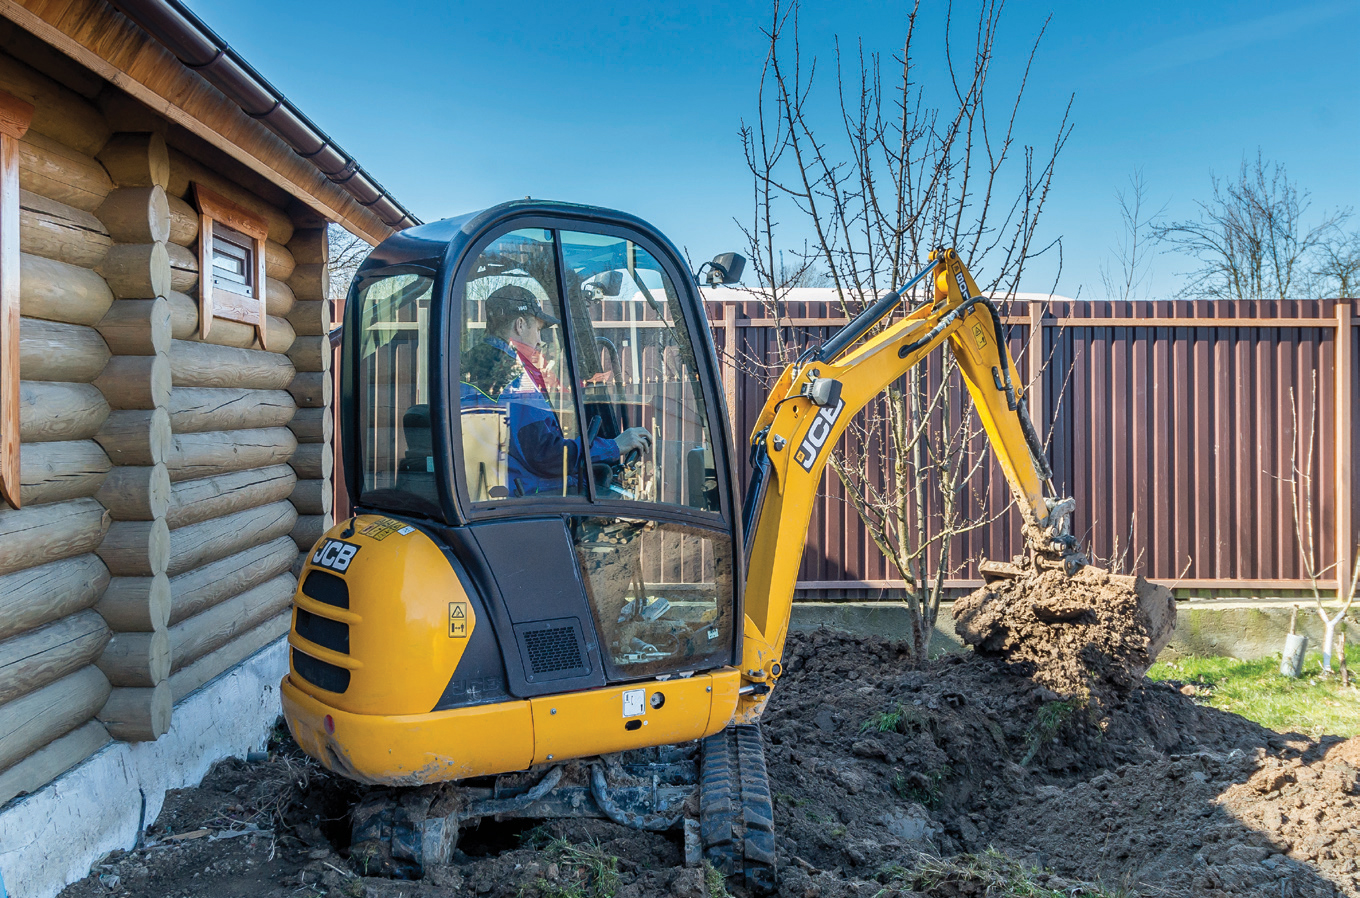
(494, 376)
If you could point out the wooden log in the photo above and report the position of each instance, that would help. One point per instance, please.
(45, 533)
(309, 318)
(136, 215)
(183, 267)
(52, 760)
(280, 334)
(309, 246)
(137, 270)
(310, 354)
(57, 411)
(28, 723)
(199, 544)
(137, 437)
(310, 282)
(312, 497)
(137, 159)
(203, 587)
(313, 461)
(192, 501)
(278, 297)
(183, 222)
(136, 604)
(311, 389)
(32, 660)
(55, 230)
(136, 658)
(214, 627)
(69, 353)
(206, 365)
(136, 493)
(312, 425)
(308, 530)
(136, 381)
(200, 409)
(195, 455)
(278, 261)
(57, 291)
(184, 171)
(56, 472)
(137, 327)
(54, 170)
(215, 663)
(138, 715)
(136, 548)
(59, 113)
(38, 595)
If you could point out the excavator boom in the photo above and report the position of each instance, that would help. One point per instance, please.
(814, 400)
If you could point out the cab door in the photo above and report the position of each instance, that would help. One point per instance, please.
(630, 557)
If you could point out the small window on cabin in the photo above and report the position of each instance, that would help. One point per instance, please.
(233, 259)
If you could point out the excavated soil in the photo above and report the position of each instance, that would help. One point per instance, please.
(1092, 636)
(877, 768)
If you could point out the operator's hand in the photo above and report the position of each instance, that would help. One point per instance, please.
(639, 438)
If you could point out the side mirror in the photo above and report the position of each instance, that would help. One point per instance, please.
(726, 269)
(608, 283)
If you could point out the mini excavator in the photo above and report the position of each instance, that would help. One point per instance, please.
(532, 613)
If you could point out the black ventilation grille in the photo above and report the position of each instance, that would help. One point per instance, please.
(327, 633)
(326, 588)
(319, 673)
(553, 649)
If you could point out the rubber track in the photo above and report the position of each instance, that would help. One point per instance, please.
(736, 815)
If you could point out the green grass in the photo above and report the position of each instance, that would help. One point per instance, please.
(1310, 704)
(584, 871)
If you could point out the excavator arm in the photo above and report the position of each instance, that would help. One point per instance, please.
(813, 402)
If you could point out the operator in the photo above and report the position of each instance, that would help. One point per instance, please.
(506, 369)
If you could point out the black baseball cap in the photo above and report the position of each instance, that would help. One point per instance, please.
(511, 301)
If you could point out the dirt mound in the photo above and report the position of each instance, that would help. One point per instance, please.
(1088, 636)
(955, 777)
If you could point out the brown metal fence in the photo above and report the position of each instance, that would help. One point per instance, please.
(1170, 426)
(1169, 422)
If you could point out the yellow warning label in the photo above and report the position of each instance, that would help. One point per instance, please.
(979, 335)
(458, 615)
(382, 528)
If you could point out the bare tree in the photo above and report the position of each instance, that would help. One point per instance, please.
(1336, 272)
(1301, 495)
(346, 252)
(1250, 240)
(893, 176)
(1130, 271)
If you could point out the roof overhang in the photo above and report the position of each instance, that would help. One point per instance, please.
(108, 43)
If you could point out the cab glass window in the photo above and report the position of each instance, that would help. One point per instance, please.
(397, 460)
(636, 360)
(517, 410)
(662, 594)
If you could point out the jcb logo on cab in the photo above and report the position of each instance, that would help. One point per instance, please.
(335, 555)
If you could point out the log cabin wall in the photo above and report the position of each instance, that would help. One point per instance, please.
(168, 483)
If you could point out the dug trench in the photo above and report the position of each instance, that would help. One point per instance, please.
(1007, 770)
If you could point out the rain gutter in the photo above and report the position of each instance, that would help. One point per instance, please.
(199, 48)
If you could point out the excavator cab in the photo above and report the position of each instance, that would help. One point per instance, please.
(503, 548)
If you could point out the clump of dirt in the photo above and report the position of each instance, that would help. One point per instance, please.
(960, 776)
(1088, 636)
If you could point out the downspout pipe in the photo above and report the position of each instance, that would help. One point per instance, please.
(199, 48)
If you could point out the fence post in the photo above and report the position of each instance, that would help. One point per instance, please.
(1036, 367)
(1345, 409)
(729, 365)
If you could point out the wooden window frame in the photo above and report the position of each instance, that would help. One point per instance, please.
(15, 116)
(219, 301)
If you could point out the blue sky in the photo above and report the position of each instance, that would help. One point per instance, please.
(456, 107)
